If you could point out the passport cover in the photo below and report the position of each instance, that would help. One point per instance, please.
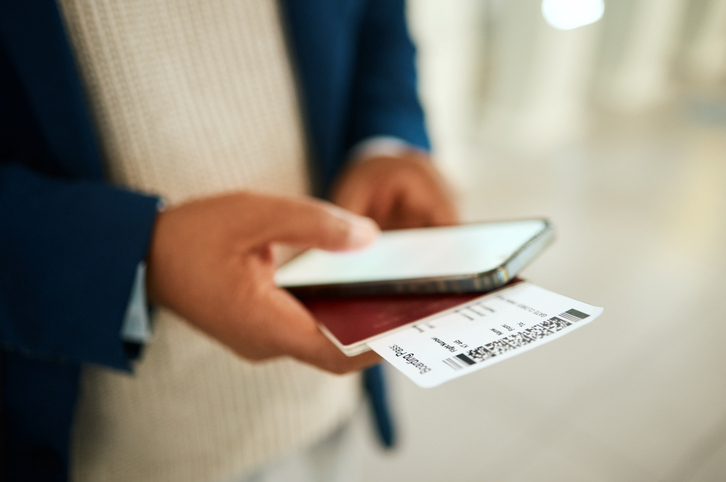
(350, 322)
(354, 320)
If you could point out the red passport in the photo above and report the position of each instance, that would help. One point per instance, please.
(351, 322)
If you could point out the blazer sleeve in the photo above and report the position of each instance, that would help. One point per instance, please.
(384, 98)
(70, 243)
(69, 250)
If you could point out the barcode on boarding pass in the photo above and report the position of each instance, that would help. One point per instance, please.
(534, 333)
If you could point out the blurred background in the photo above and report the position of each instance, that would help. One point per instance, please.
(609, 118)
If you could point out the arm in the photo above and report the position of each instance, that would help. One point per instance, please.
(69, 242)
(384, 100)
(70, 247)
(68, 256)
(400, 188)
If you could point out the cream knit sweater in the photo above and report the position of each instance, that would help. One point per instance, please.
(190, 98)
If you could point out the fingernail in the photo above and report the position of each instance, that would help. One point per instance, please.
(363, 231)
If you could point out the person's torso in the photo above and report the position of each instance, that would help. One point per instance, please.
(191, 99)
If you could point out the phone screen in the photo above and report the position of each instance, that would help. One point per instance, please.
(415, 253)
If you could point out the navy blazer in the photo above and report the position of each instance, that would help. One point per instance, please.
(70, 242)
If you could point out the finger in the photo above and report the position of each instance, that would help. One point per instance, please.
(437, 211)
(430, 207)
(383, 208)
(300, 337)
(314, 224)
(318, 351)
(354, 196)
(443, 215)
(390, 206)
(413, 209)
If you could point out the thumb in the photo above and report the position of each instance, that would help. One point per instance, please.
(309, 223)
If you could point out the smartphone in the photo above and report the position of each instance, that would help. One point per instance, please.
(467, 258)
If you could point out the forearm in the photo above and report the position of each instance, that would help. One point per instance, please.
(384, 99)
(68, 257)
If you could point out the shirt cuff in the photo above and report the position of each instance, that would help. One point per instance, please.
(136, 327)
(379, 146)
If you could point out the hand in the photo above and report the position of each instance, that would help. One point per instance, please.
(404, 191)
(211, 262)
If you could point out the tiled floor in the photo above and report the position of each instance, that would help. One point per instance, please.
(639, 394)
